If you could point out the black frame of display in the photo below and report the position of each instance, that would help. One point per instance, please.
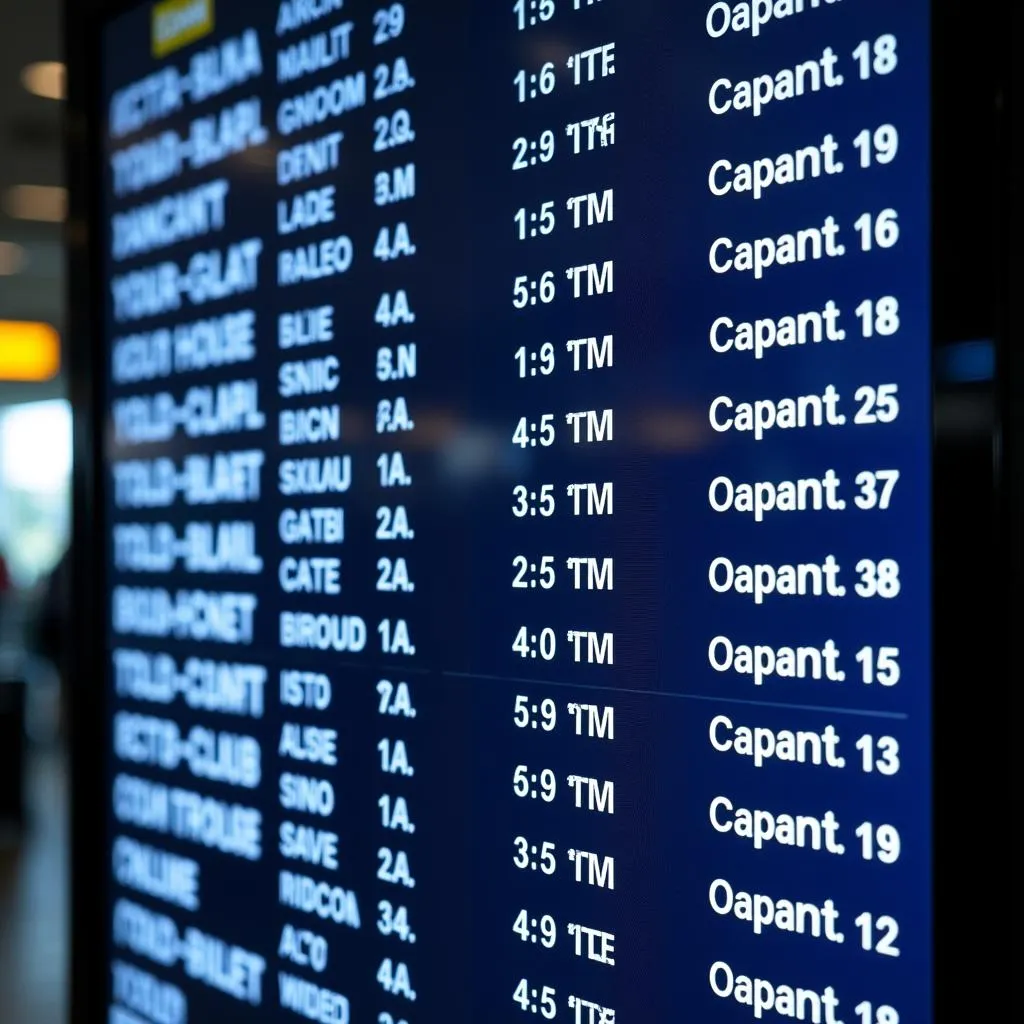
(978, 494)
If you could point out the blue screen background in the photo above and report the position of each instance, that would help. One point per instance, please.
(467, 399)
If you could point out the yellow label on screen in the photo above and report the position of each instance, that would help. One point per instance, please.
(176, 23)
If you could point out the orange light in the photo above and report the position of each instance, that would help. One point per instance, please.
(28, 351)
(12, 259)
(37, 202)
(45, 78)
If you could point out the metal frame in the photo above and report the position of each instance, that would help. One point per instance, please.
(89, 726)
(973, 524)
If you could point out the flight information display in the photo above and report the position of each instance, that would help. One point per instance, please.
(517, 496)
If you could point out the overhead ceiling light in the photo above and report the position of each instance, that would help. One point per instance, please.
(12, 258)
(28, 351)
(45, 78)
(37, 202)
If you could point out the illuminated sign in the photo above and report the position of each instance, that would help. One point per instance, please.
(176, 23)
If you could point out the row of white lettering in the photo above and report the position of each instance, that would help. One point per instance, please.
(754, 15)
(760, 255)
(207, 685)
(221, 547)
(215, 756)
(762, 996)
(212, 138)
(233, 407)
(228, 618)
(214, 274)
(236, 830)
(158, 1001)
(222, 617)
(230, 969)
(205, 480)
(211, 275)
(236, 759)
(192, 817)
(145, 739)
(238, 689)
(755, 94)
(237, 59)
(212, 71)
(874, 405)
(223, 477)
(224, 341)
(203, 684)
(175, 880)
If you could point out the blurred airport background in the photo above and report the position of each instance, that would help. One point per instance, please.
(35, 466)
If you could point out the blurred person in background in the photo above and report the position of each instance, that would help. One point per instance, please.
(6, 587)
(53, 628)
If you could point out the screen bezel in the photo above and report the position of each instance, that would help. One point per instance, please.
(971, 573)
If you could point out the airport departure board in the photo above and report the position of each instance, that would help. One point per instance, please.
(516, 511)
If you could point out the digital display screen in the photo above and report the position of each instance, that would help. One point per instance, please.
(517, 511)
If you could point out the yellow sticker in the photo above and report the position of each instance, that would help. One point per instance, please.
(176, 23)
